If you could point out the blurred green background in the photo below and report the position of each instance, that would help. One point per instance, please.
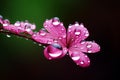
(22, 59)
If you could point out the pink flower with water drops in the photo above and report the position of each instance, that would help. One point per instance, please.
(61, 41)
(18, 27)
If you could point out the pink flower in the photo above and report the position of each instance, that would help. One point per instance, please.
(18, 27)
(61, 42)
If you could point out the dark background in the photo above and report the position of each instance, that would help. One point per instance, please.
(21, 59)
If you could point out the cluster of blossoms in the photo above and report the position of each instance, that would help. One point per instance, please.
(57, 39)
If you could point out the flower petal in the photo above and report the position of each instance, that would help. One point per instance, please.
(87, 46)
(56, 29)
(76, 33)
(80, 58)
(53, 52)
(43, 37)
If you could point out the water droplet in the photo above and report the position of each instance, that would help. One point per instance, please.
(55, 54)
(62, 29)
(56, 23)
(77, 33)
(89, 51)
(56, 18)
(69, 30)
(64, 36)
(49, 42)
(17, 23)
(43, 34)
(86, 34)
(8, 36)
(70, 26)
(28, 29)
(5, 24)
(57, 46)
(89, 46)
(81, 62)
(76, 24)
(76, 57)
(61, 24)
(55, 41)
(83, 42)
(89, 61)
(86, 56)
(60, 38)
(81, 25)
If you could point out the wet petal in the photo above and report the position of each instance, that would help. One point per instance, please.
(87, 47)
(53, 52)
(80, 58)
(43, 37)
(56, 29)
(76, 33)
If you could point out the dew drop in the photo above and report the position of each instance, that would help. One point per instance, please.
(81, 62)
(62, 29)
(64, 36)
(89, 51)
(43, 34)
(57, 46)
(5, 24)
(60, 38)
(81, 25)
(89, 61)
(76, 57)
(82, 42)
(70, 26)
(17, 23)
(77, 33)
(8, 36)
(55, 41)
(76, 24)
(49, 42)
(86, 34)
(89, 46)
(56, 23)
(55, 54)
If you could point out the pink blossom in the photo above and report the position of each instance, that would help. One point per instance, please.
(18, 27)
(60, 42)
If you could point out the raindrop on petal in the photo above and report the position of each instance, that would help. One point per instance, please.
(83, 42)
(49, 42)
(55, 54)
(89, 51)
(56, 23)
(86, 34)
(43, 34)
(76, 24)
(77, 33)
(17, 23)
(89, 46)
(5, 24)
(81, 62)
(76, 57)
